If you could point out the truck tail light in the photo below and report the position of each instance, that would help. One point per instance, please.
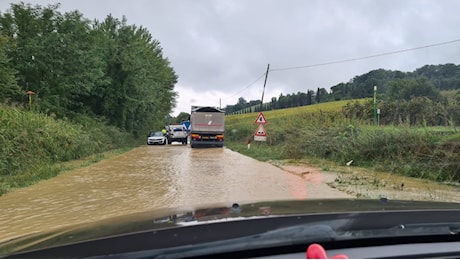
(195, 136)
(220, 137)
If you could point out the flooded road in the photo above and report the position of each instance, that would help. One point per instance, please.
(148, 178)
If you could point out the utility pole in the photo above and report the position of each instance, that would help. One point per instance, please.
(263, 91)
(375, 105)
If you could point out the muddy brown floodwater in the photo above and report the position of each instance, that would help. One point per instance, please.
(149, 178)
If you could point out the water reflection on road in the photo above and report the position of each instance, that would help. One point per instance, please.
(146, 178)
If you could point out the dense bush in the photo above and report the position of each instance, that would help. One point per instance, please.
(31, 143)
(415, 111)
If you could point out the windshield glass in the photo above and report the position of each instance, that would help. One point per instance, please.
(156, 134)
(277, 101)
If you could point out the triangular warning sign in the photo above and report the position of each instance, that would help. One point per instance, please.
(260, 131)
(260, 119)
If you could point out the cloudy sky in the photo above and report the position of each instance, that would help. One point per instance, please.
(220, 49)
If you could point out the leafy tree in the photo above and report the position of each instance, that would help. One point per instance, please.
(242, 101)
(321, 95)
(310, 94)
(106, 69)
(241, 104)
(141, 89)
(363, 86)
(54, 55)
(9, 90)
(412, 87)
(229, 109)
(443, 77)
(182, 116)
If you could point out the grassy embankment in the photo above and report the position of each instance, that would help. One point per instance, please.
(34, 146)
(320, 132)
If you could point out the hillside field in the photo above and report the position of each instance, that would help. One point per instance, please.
(322, 131)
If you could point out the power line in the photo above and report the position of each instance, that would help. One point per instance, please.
(367, 57)
(344, 61)
(241, 90)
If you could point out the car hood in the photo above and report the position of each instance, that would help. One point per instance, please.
(179, 217)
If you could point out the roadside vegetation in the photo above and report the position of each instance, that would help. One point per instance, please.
(74, 88)
(33, 145)
(417, 133)
(330, 131)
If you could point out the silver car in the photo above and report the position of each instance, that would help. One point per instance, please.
(156, 138)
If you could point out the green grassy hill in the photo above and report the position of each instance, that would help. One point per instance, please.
(288, 112)
(322, 131)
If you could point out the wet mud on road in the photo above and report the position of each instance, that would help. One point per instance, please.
(370, 184)
(148, 178)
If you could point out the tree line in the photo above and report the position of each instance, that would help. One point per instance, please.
(283, 101)
(104, 69)
(431, 78)
(429, 95)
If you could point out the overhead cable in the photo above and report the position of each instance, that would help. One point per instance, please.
(366, 57)
(248, 86)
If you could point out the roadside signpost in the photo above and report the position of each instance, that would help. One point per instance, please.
(30, 93)
(186, 125)
(260, 134)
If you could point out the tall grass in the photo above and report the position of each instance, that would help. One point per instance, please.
(32, 143)
(323, 132)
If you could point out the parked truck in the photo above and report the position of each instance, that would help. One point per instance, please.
(207, 126)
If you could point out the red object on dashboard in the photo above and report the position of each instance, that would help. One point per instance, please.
(316, 251)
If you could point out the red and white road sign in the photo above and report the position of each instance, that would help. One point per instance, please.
(260, 138)
(260, 131)
(261, 119)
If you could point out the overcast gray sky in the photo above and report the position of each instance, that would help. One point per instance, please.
(218, 48)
